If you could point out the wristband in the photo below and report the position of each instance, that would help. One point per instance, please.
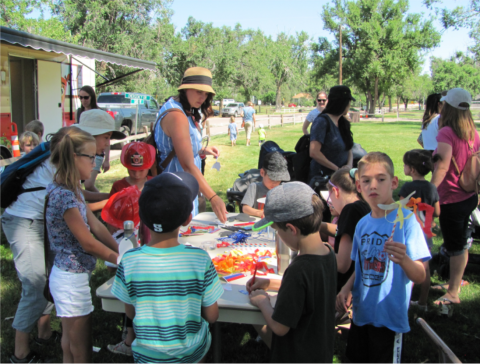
(211, 198)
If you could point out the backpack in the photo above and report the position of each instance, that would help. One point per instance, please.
(14, 175)
(470, 175)
(301, 160)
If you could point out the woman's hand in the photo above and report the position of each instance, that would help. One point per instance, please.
(213, 150)
(218, 207)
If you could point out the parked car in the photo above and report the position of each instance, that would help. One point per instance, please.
(216, 112)
(122, 106)
(234, 109)
(292, 105)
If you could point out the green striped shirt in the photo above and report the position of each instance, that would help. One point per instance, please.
(168, 287)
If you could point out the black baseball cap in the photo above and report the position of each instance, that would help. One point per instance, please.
(166, 201)
(340, 92)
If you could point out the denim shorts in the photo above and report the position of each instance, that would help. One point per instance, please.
(71, 292)
(25, 237)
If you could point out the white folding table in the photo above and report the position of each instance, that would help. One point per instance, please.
(234, 306)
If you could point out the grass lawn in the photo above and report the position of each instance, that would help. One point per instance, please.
(461, 332)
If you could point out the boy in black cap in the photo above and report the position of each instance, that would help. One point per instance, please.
(170, 290)
(274, 171)
(303, 319)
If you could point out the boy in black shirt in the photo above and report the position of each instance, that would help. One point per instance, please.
(303, 320)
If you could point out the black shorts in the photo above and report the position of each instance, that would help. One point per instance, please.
(454, 223)
(370, 344)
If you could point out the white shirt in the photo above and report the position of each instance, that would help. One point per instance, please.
(29, 205)
(429, 134)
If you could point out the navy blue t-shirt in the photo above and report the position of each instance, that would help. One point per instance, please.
(327, 133)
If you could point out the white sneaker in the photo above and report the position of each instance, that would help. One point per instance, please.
(120, 348)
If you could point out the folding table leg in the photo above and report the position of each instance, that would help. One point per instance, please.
(217, 342)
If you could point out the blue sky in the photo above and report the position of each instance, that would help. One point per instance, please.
(275, 16)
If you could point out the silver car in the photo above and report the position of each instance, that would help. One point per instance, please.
(234, 109)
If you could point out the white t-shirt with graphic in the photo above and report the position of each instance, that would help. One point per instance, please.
(381, 292)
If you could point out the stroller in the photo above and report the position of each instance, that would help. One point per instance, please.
(237, 192)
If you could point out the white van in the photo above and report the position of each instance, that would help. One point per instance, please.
(227, 101)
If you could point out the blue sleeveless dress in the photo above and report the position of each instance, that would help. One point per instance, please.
(165, 145)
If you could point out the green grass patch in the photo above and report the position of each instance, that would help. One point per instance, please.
(461, 332)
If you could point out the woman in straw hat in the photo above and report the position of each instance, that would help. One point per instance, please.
(180, 131)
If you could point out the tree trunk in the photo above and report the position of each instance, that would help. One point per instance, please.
(398, 107)
(278, 102)
(406, 104)
(375, 96)
(220, 107)
(369, 101)
(389, 103)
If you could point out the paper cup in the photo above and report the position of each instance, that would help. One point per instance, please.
(261, 203)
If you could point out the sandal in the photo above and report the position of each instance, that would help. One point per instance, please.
(446, 306)
(444, 286)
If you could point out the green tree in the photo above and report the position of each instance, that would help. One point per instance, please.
(288, 60)
(381, 42)
(458, 71)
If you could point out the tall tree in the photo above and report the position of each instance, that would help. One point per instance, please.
(381, 41)
(288, 60)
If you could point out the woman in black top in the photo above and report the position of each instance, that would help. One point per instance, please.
(345, 199)
(331, 139)
(88, 99)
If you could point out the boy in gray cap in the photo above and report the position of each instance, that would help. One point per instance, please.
(274, 171)
(299, 328)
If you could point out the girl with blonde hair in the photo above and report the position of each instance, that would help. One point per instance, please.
(70, 224)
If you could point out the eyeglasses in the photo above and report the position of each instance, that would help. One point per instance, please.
(92, 157)
(321, 100)
(83, 97)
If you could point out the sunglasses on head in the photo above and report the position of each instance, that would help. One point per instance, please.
(83, 97)
(321, 100)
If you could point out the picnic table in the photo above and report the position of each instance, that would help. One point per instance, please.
(234, 306)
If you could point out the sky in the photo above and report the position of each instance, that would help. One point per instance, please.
(290, 17)
(276, 16)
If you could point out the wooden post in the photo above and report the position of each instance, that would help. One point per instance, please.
(293, 119)
(208, 127)
(383, 114)
(269, 127)
(281, 120)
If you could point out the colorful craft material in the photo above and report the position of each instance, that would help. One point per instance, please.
(199, 229)
(233, 277)
(399, 218)
(239, 262)
(417, 204)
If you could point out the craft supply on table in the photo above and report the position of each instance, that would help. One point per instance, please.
(198, 230)
(239, 262)
(243, 292)
(232, 277)
(227, 287)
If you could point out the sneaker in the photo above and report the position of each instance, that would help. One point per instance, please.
(56, 337)
(32, 357)
(120, 348)
(424, 308)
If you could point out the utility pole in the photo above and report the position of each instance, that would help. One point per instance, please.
(340, 61)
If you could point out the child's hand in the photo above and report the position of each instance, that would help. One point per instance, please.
(344, 299)
(259, 297)
(396, 251)
(260, 283)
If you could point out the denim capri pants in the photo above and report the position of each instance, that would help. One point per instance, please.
(25, 237)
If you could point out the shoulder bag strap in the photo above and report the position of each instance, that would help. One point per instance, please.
(46, 241)
(172, 153)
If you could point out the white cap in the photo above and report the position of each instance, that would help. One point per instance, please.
(98, 122)
(260, 126)
(457, 96)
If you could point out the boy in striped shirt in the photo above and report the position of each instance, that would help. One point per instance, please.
(170, 290)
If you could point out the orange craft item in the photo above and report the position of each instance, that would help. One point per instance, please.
(121, 207)
(417, 204)
(138, 156)
(227, 264)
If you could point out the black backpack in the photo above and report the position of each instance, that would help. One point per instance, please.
(14, 175)
(301, 160)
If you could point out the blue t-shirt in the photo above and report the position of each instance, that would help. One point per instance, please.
(381, 292)
(248, 112)
(233, 128)
(327, 133)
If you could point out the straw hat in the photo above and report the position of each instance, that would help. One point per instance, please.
(198, 78)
